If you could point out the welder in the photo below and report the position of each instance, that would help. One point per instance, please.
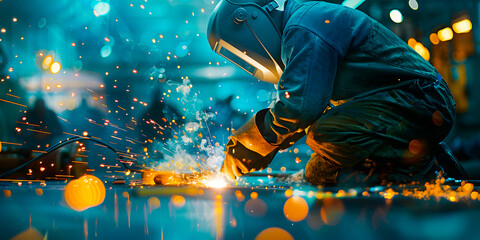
(369, 105)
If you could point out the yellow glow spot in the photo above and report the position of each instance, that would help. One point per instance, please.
(254, 195)
(445, 34)
(14, 20)
(288, 193)
(85, 133)
(178, 201)
(3, 30)
(55, 68)
(295, 209)
(83, 193)
(47, 62)
(389, 194)
(274, 233)
(423, 51)
(434, 39)
(463, 26)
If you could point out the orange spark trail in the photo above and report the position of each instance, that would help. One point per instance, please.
(12, 102)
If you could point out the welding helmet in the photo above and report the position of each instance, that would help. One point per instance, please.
(245, 33)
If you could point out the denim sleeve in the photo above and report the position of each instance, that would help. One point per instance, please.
(305, 87)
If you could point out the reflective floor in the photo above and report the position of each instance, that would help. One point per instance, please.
(258, 208)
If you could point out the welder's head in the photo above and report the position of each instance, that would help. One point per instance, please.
(246, 33)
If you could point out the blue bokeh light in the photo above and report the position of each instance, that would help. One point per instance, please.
(101, 8)
(106, 51)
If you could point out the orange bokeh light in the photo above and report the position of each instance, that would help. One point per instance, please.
(39, 191)
(239, 195)
(295, 209)
(83, 193)
(7, 193)
(178, 201)
(47, 62)
(288, 193)
(274, 233)
(416, 146)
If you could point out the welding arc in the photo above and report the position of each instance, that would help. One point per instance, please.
(59, 145)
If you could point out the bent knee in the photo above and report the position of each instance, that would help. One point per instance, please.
(319, 172)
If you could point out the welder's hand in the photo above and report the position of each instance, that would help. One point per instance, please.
(240, 160)
(247, 150)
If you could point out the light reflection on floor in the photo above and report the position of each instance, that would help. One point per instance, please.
(253, 211)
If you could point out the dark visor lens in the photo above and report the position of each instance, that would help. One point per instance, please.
(237, 60)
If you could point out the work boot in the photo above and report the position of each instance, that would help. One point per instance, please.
(448, 161)
(320, 171)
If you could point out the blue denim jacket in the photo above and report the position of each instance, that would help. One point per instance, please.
(332, 53)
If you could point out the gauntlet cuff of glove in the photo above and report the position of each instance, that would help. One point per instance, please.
(250, 137)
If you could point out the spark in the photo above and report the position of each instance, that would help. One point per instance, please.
(3, 100)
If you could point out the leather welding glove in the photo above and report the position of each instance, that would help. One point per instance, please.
(247, 151)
